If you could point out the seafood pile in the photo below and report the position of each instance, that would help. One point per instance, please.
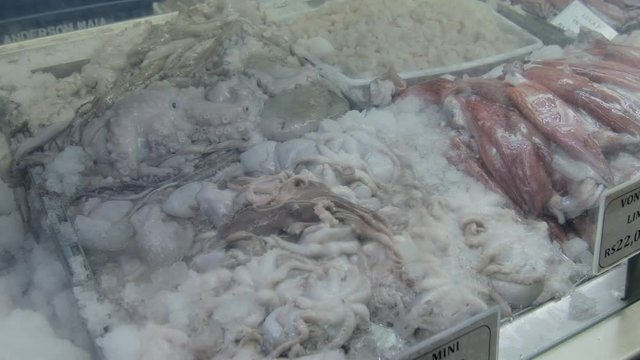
(621, 14)
(231, 206)
(550, 135)
(363, 37)
(326, 243)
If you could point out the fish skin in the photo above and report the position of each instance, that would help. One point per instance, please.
(493, 162)
(600, 71)
(615, 66)
(464, 160)
(494, 91)
(623, 54)
(490, 89)
(542, 145)
(557, 121)
(612, 109)
(527, 170)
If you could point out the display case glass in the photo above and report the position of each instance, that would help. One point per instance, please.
(347, 179)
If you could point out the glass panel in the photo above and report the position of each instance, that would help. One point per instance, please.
(287, 178)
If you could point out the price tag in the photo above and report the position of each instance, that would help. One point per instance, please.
(618, 231)
(474, 339)
(576, 15)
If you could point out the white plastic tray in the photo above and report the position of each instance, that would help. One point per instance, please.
(357, 89)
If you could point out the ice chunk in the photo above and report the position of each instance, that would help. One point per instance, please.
(161, 242)
(172, 276)
(208, 261)
(385, 337)
(518, 295)
(160, 342)
(216, 204)
(261, 158)
(577, 250)
(240, 308)
(380, 166)
(105, 229)
(63, 174)
(582, 307)
(98, 313)
(111, 211)
(316, 46)
(182, 202)
(102, 235)
(171, 307)
(290, 152)
(123, 343)
(27, 335)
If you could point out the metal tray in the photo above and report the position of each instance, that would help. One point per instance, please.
(357, 89)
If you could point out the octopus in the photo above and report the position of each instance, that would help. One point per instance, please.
(333, 304)
(146, 129)
(297, 202)
(297, 111)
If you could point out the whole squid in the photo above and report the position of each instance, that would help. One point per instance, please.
(557, 121)
(602, 72)
(493, 90)
(465, 160)
(527, 171)
(623, 54)
(613, 109)
(491, 158)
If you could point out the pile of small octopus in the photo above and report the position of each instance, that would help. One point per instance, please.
(244, 213)
(550, 135)
(322, 245)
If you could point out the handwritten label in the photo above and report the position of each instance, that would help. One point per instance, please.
(474, 339)
(576, 15)
(618, 231)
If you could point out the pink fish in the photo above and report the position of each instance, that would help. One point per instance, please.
(465, 160)
(600, 71)
(615, 110)
(623, 54)
(558, 122)
(490, 89)
(492, 160)
(527, 171)
(616, 15)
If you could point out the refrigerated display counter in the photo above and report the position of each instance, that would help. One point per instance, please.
(228, 182)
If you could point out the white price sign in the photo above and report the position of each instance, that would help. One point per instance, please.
(474, 339)
(576, 15)
(618, 231)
